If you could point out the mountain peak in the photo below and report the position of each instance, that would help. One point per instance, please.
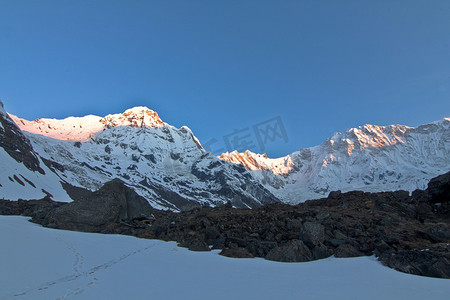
(370, 136)
(139, 116)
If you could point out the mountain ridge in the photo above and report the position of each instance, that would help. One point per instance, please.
(170, 167)
(368, 158)
(84, 128)
(165, 165)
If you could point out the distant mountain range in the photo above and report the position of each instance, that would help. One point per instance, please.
(62, 159)
(368, 158)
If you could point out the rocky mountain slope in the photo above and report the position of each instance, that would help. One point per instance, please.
(23, 173)
(165, 165)
(368, 158)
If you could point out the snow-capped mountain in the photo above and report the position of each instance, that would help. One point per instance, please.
(170, 168)
(368, 158)
(166, 165)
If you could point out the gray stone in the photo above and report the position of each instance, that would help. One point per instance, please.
(312, 233)
(320, 251)
(347, 250)
(113, 203)
(293, 251)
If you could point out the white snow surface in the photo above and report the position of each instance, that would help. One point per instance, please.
(43, 263)
(30, 185)
(368, 158)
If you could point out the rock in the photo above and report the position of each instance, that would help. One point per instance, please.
(211, 233)
(322, 215)
(37, 209)
(17, 145)
(339, 235)
(382, 247)
(312, 233)
(196, 244)
(237, 253)
(347, 250)
(113, 203)
(420, 262)
(218, 243)
(320, 251)
(439, 189)
(293, 251)
(336, 242)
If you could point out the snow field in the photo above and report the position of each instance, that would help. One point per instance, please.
(42, 263)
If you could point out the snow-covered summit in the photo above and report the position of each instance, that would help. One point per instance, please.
(370, 136)
(253, 161)
(84, 128)
(139, 116)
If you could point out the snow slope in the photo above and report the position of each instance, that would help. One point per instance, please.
(18, 182)
(42, 263)
(23, 174)
(368, 158)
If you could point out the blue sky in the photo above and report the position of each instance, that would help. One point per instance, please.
(218, 66)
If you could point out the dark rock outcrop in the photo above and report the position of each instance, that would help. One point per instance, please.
(37, 209)
(292, 251)
(438, 190)
(113, 203)
(16, 144)
(236, 253)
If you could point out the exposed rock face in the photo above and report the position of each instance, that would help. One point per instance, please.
(434, 262)
(312, 233)
(38, 209)
(16, 144)
(236, 253)
(113, 203)
(439, 189)
(292, 251)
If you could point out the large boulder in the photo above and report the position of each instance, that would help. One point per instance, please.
(293, 251)
(347, 250)
(113, 203)
(312, 233)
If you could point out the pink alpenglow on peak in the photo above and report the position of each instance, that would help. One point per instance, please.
(84, 128)
(139, 116)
